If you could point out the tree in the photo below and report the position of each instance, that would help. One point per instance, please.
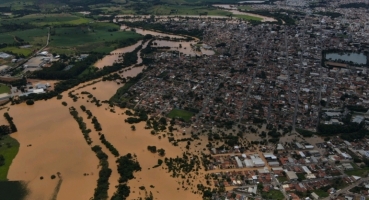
(161, 152)
(133, 127)
(30, 102)
(2, 160)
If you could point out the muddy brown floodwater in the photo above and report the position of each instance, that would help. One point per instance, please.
(115, 55)
(57, 145)
(51, 142)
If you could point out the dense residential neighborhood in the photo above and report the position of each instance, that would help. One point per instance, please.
(268, 101)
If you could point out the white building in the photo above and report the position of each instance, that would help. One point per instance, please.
(239, 163)
(306, 169)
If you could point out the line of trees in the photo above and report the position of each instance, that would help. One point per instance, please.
(109, 146)
(13, 128)
(101, 191)
(96, 123)
(81, 124)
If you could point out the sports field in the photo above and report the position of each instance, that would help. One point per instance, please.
(4, 89)
(184, 114)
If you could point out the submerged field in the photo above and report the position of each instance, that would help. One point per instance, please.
(53, 149)
(178, 113)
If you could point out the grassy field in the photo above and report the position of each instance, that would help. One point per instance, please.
(301, 176)
(273, 194)
(87, 71)
(282, 179)
(358, 172)
(186, 10)
(9, 149)
(41, 20)
(36, 36)
(244, 7)
(184, 114)
(247, 17)
(321, 193)
(87, 38)
(16, 50)
(196, 10)
(4, 89)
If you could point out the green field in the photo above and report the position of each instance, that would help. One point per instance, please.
(87, 71)
(247, 17)
(244, 7)
(95, 37)
(273, 194)
(186, 10)
(282, 179)
(321, 193)
(4, 89)
(358, 172)
(301, 176)
(8, 148)
(41, 20)
(16, 50)
(184, 114)
(36, 36)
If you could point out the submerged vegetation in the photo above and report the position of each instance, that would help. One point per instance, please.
(127, 165)
(101, 191)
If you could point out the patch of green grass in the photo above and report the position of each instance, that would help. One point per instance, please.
(358, 172)
(16, 50)
(87, 71)
(37, 36)
(4, 89)
(244, 7)
(282, 179)
(184, 114)
(186, 10)
(41, 20)
(9, 149)
(301, 176)
(95, 37)
(273, 194)
(247, 17)
(118, 95)
(321, 193)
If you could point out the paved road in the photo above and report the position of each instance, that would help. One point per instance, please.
(346, 189)
(40, 50)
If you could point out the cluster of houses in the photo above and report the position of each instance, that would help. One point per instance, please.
(256, 74)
